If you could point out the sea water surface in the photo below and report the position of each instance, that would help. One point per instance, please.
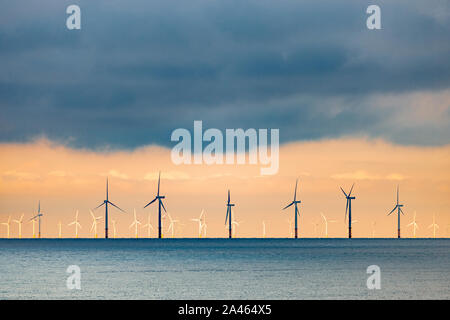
(225, 269)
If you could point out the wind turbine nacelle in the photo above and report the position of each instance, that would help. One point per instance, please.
(161, 197)
(400, 205)
(351, 198)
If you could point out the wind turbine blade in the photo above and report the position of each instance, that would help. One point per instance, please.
(115, 206)
(402, 211)
(150, 203)
(228, 196)
(344, 192)
(99, 206)
(71, 223)
(288, 205)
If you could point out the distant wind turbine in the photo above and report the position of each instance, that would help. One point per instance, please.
(399, 209)
(414, 225)
(228, 217)
(19, 222)
(263, 229)
(348, 208)
(172, 224)
(295, 202)
(434, 226)
(59, 229)
(94, 223)
(291, 233)
(7, 224)
(114, 228)
(76, 223)
(38, 217)
(160, 204)
(200, 223)
(148, 226)
(373, 229)
(105, 203)
(326, 221)
(135, 223)
(235, 223)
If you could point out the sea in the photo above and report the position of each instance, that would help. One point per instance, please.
(225, 268)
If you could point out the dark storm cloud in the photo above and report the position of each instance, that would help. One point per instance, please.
(139, 69)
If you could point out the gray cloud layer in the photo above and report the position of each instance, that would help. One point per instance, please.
(139, 69)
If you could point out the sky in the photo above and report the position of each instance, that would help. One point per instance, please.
(351, 104)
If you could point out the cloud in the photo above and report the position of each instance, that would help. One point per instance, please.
(140, 69)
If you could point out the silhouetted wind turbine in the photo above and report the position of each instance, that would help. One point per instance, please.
(297, 212)
(228, 216)
(414, 225)
(105, 203)
(160, 204)
(94, 223)
(76, 223)
(135, 223)
(397, 207)
(38, 216)
(326, 223)
(434, 226)
(19, 222)
(348, 208)
(7, 224)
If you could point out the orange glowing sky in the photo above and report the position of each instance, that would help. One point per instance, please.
(66, 180)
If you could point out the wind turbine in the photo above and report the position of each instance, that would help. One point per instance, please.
(326, 221)
(76, 223)
(204, 226)
(7, 225)
(114, 228)
(199, 221)
(264, 229)
(160, 204)
(397, 207)
(105, 203)
(172, 224)
(236, 224)
(414, 224)
(135, 223)
(148, 226)
(38, 216)
(297, 212)
(290, 227)
(434, 226)
(373, 229)
(348, 208)
(94, 223)
(19, 222)
(228, 216)
(59, 229)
